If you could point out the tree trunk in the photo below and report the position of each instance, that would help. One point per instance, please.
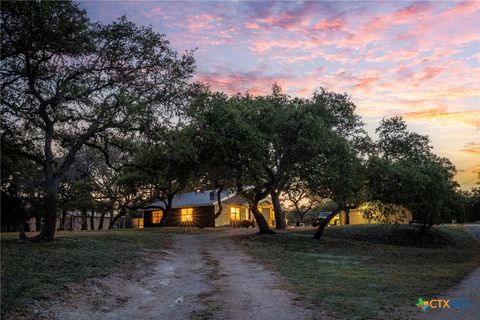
(21, 229)
(347, 216)
(324, 223)
(38, 222)
(92, 220)
(302, 216)
(123, 211)
(100, 224)
(219, 201)
(50, 217)
(50, 201)
(62, 220)
(277, 207)
(84, 220)
(167, 211)
(260, 219)
(111, 217)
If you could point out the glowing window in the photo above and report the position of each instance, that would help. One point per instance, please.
(247, 214)
(235, 213)
(186, 215)
(137, 223)
(157, 216)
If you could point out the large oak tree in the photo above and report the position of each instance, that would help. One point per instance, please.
(65, 81)
(404, 171)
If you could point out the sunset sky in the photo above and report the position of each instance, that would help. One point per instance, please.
(416, 59)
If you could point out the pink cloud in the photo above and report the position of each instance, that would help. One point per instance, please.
(430, 73)
(202, 22)
(365, 83)
(252, 25)
(411, 12)
(335, 24)
(462, 8)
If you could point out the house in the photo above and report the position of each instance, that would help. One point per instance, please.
(198, 209)
(357, 216)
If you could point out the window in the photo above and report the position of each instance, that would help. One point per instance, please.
(235, 213)
(157, 216)
(186, 215)
(137, 223)
(247, 214)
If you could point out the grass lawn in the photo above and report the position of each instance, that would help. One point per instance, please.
(370, 271)
(31, 270)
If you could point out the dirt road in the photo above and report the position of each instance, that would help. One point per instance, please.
(203, 276)
(467, 291)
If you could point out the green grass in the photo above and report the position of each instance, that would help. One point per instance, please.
(370, 271)
(32, 270)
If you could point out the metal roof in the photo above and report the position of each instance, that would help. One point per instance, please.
(193, 199)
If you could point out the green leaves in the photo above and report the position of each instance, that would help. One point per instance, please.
(405, 172)
(69, 79)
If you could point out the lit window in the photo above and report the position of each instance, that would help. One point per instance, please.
(235, 213)
(186, 215)
(137, 223)
(157, 216)
(247, 214)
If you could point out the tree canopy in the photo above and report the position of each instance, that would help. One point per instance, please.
(106, 116)
(404, 171)
(66, 81)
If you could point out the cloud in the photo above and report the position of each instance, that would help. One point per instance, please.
(430, 72)
(462, 8)
(418, 59)
(471, 148)
(365, 83)
(203, 22)
(445, 117)
(335, 24)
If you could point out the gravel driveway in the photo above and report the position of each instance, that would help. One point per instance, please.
(205, 276)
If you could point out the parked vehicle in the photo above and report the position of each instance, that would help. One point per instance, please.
(322, 216)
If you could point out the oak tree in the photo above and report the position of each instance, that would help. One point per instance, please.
(65, 80)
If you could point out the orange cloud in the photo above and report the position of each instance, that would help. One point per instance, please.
(471, 148)
(365, 83)
(251, 25)
(445, 117)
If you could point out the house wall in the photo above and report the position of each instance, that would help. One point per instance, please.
(147, 219)
(225, 217)
(356, 217)
(271, 216)
(202, 217)
(245, 214)
(236, 201)
(205, 215)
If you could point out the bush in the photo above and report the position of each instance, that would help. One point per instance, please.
(247, 224)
